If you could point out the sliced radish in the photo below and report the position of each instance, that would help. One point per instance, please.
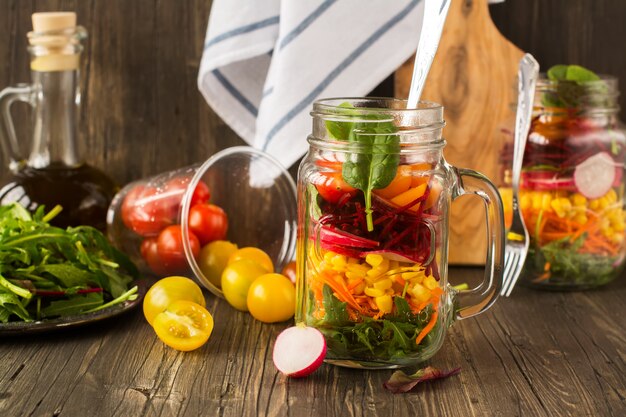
(594, 176)
(546, 181)
(299, 351)
(334, 236)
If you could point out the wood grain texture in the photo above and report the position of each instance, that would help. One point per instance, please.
(534, 354)
(473, 76)
(588, 33)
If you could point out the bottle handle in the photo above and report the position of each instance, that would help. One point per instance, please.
(477, 300)
(9, 143)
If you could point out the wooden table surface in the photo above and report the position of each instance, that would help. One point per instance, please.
(534, 354)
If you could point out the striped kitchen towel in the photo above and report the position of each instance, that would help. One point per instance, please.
(266, 61)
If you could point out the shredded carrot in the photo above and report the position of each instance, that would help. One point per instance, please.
(436, 292)
(340, 291)
(542, 277)
(427, 328)
(355, 284)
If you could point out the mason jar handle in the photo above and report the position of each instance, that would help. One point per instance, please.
(8, 96)
(477, 300)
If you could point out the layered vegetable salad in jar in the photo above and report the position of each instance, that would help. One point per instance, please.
(572, 182)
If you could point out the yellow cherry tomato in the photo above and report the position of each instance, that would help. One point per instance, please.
(253, 254)
(213, 259)
(272, 298)
(168, 290)
(184, 325)
(236, 280)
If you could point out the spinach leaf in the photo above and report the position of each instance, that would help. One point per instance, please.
(572, 84)
(374, 153)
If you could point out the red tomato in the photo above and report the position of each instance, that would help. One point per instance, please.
(208, 222)
(170, 249)
(178, 185)
(331, 186)
(150, 255)
(145, 212)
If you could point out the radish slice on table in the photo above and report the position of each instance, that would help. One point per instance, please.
(299, 351)
(595, 175)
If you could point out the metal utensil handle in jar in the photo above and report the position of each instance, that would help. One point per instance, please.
(435, 13)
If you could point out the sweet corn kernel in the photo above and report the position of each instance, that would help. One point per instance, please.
(545, 201)
(378, 270)
(594, 204)
(580, 218)
(384, 303)
(354, 275)
(536, 199)
(561, 206)
(408, 276)
(383, 284)
(328, 256)
(611, 196)
(618, 237)
(579, 200)
(374, 259)
(339, 260)
(603, 202)
(373, 292)
(358, 269)
(430, 282)
(525, 201)
(420, 293)
(619, 225)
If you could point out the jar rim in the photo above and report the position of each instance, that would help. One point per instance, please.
(427, 116)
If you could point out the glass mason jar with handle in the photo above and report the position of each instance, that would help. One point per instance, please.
(52, 172)
(572, 185)
(374, 194)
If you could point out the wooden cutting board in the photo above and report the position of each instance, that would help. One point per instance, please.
(474, 77)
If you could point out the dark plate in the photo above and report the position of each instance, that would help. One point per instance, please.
(20, 327)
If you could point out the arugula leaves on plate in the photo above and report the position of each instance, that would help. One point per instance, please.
(46, 271)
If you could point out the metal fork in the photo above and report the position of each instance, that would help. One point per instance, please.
(517, 239)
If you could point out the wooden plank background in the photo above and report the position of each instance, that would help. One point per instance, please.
(143, 113)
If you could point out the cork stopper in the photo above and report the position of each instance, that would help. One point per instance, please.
(53, 21)
(55, 41)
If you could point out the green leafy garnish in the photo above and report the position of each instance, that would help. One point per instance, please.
(572, 84)
(390, 338)
(47, 271)
(374, 159)
(568, 265)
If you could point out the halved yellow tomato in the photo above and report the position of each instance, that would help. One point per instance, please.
(167, 290)
(184, 325)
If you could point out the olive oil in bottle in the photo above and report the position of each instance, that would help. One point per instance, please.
(53, 173)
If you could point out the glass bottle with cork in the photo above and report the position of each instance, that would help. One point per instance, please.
(53, 173)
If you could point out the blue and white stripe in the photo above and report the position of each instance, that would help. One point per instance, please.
(263, 67)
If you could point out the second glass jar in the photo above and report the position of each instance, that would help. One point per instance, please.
(572, 186)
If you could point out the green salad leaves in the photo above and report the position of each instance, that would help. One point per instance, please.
(390, 338)
(48, 272)
(375, 147)
(573, 83)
